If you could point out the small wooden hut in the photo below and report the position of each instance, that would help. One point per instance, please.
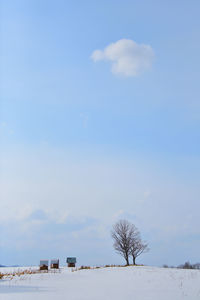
(44, 265)
(71, 261)
(54, 264)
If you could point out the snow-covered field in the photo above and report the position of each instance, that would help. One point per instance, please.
(106, 283)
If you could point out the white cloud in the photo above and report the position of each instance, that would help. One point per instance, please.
(127, 57)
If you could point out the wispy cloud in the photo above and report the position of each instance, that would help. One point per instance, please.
(126, 56)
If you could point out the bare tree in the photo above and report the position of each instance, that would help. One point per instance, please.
(138, 247)
(123, 234)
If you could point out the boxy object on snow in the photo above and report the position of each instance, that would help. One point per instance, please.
(71, 261)
(54, 264)
(44, 265)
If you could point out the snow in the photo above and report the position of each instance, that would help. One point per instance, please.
(125, 283)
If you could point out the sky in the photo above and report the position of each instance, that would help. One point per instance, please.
(99, 121)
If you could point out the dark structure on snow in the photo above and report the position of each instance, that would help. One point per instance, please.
(44, 265)
(54, 264)
(71, 261)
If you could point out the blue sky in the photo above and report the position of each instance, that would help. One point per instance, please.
(83, 144)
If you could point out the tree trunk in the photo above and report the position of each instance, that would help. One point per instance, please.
(127, 261)
(134, 260)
